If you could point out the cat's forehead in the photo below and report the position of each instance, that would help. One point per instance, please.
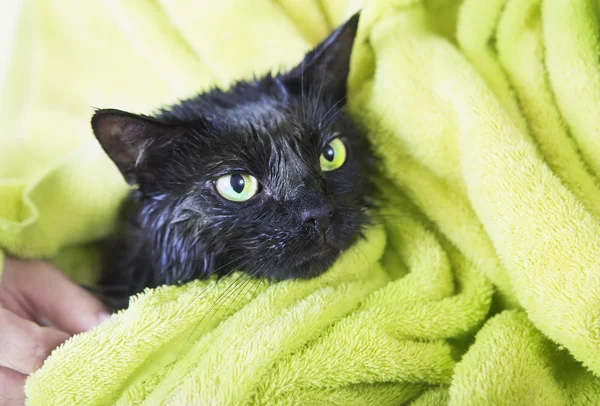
(261, 133)
(269, 121)
(263, 112)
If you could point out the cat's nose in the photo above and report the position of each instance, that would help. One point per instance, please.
(319, 217)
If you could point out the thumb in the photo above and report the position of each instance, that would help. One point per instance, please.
(59, 300)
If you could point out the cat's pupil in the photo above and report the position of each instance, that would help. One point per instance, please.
(237, 183)
(329, 153)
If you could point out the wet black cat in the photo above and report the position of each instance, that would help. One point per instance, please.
(270, 177)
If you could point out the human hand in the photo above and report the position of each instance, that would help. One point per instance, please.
(34, 295)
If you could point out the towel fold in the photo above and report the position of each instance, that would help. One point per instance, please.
(480, 282)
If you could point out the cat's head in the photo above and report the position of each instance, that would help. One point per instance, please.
(269, 177)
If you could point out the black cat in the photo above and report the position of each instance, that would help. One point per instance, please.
(269, 177)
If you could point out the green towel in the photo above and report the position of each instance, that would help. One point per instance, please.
(480, 284)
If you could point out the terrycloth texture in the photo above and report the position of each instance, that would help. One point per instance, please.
(480, 286)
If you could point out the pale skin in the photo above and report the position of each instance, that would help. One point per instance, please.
(40, 308)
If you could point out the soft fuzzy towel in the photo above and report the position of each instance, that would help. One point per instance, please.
(480, 286)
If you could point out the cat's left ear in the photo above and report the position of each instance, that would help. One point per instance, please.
(325, 69)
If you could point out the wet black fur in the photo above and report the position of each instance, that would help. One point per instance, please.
(178, 228)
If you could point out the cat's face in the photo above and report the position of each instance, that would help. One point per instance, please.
(270, 177)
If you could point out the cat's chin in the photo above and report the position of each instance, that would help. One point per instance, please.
(309, 266)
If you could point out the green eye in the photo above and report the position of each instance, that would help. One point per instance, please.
(333, 155)
(237, 187)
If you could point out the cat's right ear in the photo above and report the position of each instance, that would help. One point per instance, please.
(129, 139)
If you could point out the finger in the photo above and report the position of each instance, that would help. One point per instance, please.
(12, 387)
(60, 301)
(23, 344)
